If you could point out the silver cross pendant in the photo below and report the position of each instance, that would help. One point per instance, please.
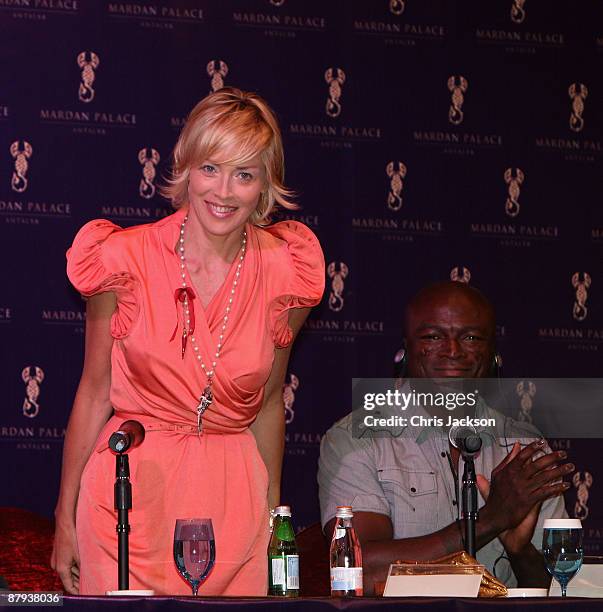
(204, 402)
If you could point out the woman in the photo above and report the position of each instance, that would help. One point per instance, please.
(190, 323)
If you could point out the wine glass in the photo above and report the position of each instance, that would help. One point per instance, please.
(194, 550)
(562, 549)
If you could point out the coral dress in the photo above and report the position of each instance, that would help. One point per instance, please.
(174, 472)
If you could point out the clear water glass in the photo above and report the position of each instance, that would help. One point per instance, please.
(194, 550)
(562, 549)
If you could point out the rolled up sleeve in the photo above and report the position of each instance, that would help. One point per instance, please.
(347, 475)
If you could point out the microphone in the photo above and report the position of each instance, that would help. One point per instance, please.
(129, 435)
(466, 439)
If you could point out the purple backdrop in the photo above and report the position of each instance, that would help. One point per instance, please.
(425, 139)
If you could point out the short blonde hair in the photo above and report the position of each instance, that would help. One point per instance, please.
(239, 125)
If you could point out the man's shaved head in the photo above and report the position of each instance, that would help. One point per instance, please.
(448, 290)
(449, 330)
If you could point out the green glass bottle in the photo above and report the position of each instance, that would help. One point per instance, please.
(283, 560)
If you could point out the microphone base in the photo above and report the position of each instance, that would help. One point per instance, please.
(131, 593)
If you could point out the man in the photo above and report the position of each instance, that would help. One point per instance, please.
(402, 487)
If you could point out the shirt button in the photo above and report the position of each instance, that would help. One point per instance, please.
(453, 502)
(413, 490)
(443, 454)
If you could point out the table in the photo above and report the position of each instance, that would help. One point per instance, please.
(325, 604)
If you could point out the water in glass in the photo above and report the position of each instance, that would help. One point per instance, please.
(562, 549)
(194, 550)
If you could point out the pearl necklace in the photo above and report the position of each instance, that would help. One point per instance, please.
(207, 396)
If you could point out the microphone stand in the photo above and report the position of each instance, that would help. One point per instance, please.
(469, 502)
(123, 503)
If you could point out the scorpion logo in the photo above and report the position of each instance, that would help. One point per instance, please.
(518, 13)
(394, 197)
(335, 78)
(582, 485)
(577, 93)
(397, 7)
(513, 180)
(20, 154)
(580, 310)
(148, 158)
(31, 408)
(88, 65)
(337, 285)
(289, 397)
(526, 392)
(458, 85)
(217, 70)
(460, 274)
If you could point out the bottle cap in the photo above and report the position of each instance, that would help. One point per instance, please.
(282, 511)
(344, 512)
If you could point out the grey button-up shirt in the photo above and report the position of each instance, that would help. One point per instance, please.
(407, 476)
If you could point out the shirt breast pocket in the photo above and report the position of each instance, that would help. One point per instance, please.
(413, 499)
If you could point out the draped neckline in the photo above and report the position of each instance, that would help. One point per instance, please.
(213, 313)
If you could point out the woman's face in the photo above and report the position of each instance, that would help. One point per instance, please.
(223, 196)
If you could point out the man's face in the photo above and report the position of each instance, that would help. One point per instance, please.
(450, 334)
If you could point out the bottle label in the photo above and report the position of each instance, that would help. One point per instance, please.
(292, 571)
(285, 572)
(278, 571)
(346, 578)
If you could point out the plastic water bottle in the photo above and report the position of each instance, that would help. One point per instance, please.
(283, 558)
(346, 556)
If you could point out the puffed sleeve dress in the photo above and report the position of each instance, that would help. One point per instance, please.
(175, 472)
